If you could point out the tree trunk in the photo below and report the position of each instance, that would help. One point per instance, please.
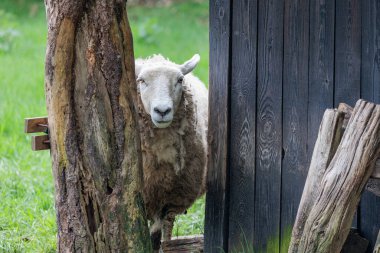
(91, 94)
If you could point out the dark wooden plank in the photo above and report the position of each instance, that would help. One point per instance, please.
(36, 125)
(369, 217)
(347, 54)
(370, 68)
(370, 90)
(321, 65)
(295, 103)
(347, 51)
(216, 216)
(40, 142)
(243, 121)
(269, 126)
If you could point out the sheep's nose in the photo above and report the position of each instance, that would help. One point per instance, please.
(162, 111)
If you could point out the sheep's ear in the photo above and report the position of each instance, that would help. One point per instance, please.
(188, 66)
(138, 66)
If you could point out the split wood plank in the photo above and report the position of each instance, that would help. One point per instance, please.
(184, 244)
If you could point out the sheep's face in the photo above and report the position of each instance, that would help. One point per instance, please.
(160, 87)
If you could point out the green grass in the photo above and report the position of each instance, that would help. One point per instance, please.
(27, 215)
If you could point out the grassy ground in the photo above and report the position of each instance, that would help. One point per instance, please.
(27, 215)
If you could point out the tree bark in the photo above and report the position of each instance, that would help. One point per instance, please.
(91, 101)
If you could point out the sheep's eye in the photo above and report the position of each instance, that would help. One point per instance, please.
(140, 81)
(180, 80)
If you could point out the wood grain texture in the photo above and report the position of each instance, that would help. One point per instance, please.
(36, 125)
(243, 122)
(329, 137)
(347, 51)
(184, 244)
(295, 112)
(40, 142)
(369, 218)
(216, 216)
(269, 127)
(330, 218)
(321, 65)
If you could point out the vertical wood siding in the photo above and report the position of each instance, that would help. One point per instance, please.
(275, 66)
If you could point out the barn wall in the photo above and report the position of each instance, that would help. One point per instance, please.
(275, 66)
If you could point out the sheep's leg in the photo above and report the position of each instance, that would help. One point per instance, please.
(156, 240)
(168, 226)
(155, 235)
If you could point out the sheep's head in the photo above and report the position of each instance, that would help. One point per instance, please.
(160, 86)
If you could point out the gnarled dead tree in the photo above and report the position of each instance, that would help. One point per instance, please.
(91, 94)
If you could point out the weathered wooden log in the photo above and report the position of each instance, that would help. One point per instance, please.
(184, 244)
(329, 136)
(373, 184)
(91, 100)
(335, 195)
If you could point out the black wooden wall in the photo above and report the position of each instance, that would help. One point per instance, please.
(275, 66)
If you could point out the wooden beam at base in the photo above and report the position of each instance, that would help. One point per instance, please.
(36, 125)
(40, 142)
(182, 244)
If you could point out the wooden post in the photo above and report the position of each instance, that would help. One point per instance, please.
(91, 99)
(329, 136)
(337, 179)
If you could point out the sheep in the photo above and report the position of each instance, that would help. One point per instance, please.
(173, 110)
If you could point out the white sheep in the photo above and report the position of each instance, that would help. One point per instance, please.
(173, 124)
